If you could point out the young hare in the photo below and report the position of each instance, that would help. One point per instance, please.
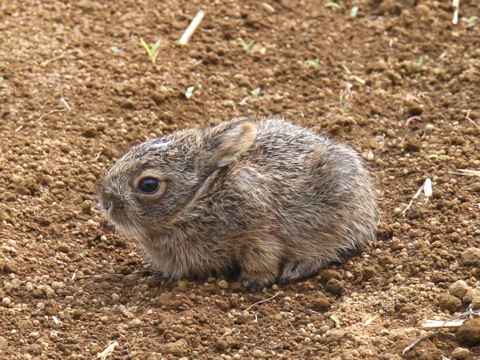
(272, 199)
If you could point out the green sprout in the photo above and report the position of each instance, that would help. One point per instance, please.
(255, 92)
(437, 156)
(151, 51)
(1, 80)
(335, 319)
(165, 89)
(189, 92)
(354, 12)
(332, 4)
(471, 19)
(174, 17)
(115, 49)
(247, 47)
(314, 63)
(419, 62)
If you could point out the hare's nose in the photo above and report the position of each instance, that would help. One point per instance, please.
(105, 202)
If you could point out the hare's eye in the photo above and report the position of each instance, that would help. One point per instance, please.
(148, 185)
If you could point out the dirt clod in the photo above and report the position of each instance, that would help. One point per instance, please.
(177, 348)
(459, 289)
(3, 343)
(334, 286)
(469, 333)
(450, 303)
(413, 145)
(471, 256)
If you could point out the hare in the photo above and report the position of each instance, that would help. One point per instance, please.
(275, 200)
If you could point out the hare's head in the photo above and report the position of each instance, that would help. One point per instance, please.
(154, 181)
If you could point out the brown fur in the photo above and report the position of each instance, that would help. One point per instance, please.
(274, 199)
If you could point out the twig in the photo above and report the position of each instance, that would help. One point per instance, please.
(40, 118)
(412, 118)
(108, 351)
(262, 301)
(66, 104)
(419, 191)
(465, 314)
(466, 172)
(455, 5)
(243, 101)
(433, 324)
(46, 62)
(191, 28)
(269, 7)
(470, 119)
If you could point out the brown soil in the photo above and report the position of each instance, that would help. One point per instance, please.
(70, 286)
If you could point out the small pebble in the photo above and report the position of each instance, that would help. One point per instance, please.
(3, 343)
(258, 353)
(34, 335)
(471, 256)
(222, 284)
(459, 289)
(6, 301)
(87, 207)
(58, 285)
(460, 353)
(135, 323)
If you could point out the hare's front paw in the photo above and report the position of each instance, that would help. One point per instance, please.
(295, 270)
(255, 281)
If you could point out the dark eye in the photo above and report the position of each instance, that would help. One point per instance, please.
(148, 185)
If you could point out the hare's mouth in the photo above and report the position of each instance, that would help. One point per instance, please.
(129, 229)
(124, 224)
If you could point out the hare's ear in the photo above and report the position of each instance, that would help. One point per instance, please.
(233, 143)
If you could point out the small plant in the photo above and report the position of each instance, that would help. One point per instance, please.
(1, 80)
(471, 19)
(354, 12)
(174, 17)
(314, 63)
(189, 92)
(247, 47)
(151, 51)
(165, 89)
(437, 156)
(115, 49)
(333, 4)
(335, 319)
(419, 62)
(255, 92)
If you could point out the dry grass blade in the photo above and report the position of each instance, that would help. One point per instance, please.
(46, 62)
(262, 301)
(467, 172)
(463, 315)
(191, 28)
(435, 324)
(108, 351)
(41, 118)
(455, 5)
